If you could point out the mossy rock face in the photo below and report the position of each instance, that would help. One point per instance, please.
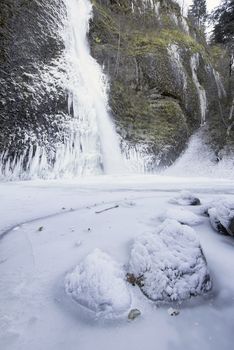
(147, 55)
(149, 119)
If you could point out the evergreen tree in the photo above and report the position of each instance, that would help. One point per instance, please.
(197, 12)
(223, 19)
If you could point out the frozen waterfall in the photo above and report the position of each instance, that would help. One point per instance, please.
(95, 139)
(200, 90)
(90, 145)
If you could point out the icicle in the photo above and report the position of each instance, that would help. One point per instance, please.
(200, 90)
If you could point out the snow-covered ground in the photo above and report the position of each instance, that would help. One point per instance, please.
(48, 228)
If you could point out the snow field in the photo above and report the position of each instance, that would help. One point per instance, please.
(37, 314)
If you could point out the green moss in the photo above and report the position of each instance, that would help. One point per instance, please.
(143, 42)
(159, 123)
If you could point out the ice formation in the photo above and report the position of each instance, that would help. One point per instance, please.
(169, 265)
(177, 65)
(221, 216)
(98, 283)
(200, 90)
(91, 145)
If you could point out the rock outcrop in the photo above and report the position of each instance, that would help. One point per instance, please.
(162, 83)
(33, 99)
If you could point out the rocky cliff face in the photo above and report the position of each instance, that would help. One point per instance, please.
(33, 103)
(162, 83)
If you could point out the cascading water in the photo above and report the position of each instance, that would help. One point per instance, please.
(95, 139)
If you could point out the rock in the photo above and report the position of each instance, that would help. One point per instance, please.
(98, 283)
(222, 217)
(169, 265)
(185, 198)
(231, 227)
(173, 312)
(146, 49)
(32, 81)
(41, 228)
(154, 95)
(134, 313)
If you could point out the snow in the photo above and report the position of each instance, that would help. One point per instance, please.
(98, 283)
(157, 259)
(36, 312)
(182, 215)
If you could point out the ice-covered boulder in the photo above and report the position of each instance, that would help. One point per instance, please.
(98, 283)
(222, 217)
(185, 198)
(182, 215)
(169, 265)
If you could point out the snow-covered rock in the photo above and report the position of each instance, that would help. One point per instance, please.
(98, 283)
(185, 198)
(222, 217)
(182, 215)
(169, 265)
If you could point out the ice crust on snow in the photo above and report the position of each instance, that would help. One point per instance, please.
(185, 198)
(169, 264)
(181, 215)
(98, 283)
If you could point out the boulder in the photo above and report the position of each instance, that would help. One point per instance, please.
(169, 265)
(98, 283)
(222, 217)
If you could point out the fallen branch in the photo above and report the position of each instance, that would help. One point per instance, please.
(101, 211)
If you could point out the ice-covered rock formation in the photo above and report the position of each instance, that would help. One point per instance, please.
(185, 198)
(169, 265)
(98, 283)
(221, 216)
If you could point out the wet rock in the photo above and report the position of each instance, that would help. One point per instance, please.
(134, 313)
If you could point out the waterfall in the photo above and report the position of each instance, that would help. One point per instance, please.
(200, 90)
(90, 145)
(95, 135)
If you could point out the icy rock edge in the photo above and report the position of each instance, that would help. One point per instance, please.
(98, 283)
(169, 265)
(185, 198)
(221, 216)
